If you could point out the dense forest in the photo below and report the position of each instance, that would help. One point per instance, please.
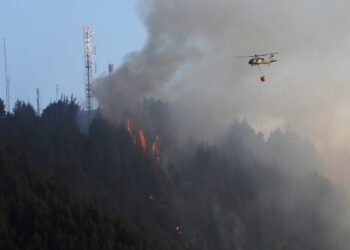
(115, 186)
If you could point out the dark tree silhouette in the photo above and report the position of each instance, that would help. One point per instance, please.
(63, 189)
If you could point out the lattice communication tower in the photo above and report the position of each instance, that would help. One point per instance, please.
(7, 81)
(88, 65)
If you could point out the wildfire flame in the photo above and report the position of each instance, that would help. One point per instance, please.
(128, 126)
(139, 139)
(134, 140)
(155, 148)
(155, 144)
(142, 141)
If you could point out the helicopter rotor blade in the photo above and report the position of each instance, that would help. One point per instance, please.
(244, 56)
(269, 54)
(258, 55)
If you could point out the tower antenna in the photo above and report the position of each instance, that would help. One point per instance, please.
(7, 81)
(88, 58)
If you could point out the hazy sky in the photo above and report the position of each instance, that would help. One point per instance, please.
(45, 43)
(195, 42)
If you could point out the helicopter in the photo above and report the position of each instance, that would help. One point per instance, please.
(257, 60)
(260, 59)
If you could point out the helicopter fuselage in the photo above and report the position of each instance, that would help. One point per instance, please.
(261, 60)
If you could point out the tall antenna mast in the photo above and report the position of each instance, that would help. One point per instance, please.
(7, 81)
(38, 102)
(88, 58)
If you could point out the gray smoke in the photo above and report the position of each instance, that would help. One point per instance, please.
(188, 61)
(301, 191)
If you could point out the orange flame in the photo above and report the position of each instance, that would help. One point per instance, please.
(142, 141)
(128, 126)
(134, 139)
(155, 148)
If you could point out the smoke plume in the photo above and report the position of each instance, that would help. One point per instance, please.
(188, 61)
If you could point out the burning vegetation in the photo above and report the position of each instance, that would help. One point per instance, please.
(204, 197)
(128, 126)
(155, 148)
(140, 140)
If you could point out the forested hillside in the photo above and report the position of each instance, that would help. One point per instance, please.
(119, 187)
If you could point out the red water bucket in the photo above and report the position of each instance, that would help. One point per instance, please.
(263, 78)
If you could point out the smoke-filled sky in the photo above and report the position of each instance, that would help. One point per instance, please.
(188, 60)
